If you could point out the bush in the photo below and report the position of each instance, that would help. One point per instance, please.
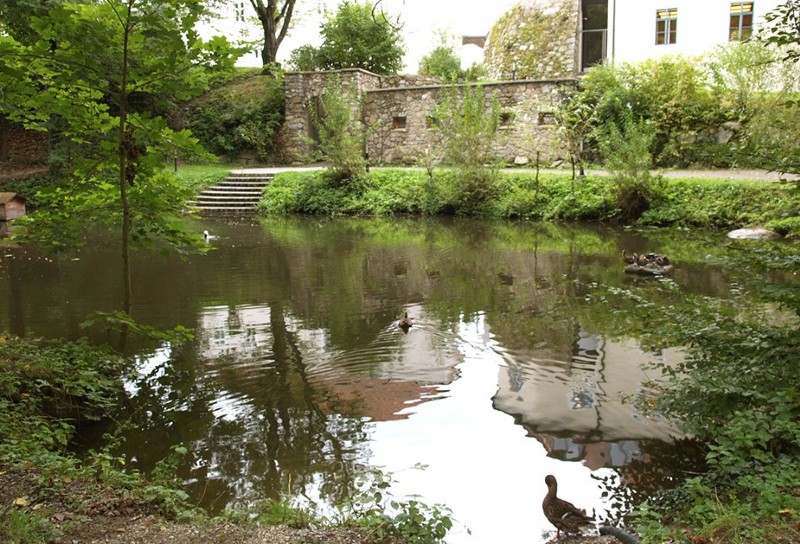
(468, 120)
(242, 116)
(697, 203)
(670, 93)
(723, 203)
(626, 148)
(337, 121)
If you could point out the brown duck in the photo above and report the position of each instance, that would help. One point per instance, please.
(564, 515)
(405, 322)
(628, 258)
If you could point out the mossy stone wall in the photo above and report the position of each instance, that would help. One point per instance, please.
(535, 40)
(398, 109)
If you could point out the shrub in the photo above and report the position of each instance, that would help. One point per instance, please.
(341, 134)
(670, 93)
(243, 115)
(468, 121)
(626, 148)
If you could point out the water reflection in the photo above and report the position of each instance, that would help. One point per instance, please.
(299, 377)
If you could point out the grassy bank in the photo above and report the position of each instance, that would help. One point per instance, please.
(548, 197)
(49, 389)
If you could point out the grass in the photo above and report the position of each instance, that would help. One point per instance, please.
(699, 203)
(199, 176)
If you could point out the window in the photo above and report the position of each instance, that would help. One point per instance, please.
(666, 26)
(398, 122)
(741, 21)
(547, 118)
(507, 118)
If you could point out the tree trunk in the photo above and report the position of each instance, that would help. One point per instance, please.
(127, 291)
(275, 17)
(4, 128)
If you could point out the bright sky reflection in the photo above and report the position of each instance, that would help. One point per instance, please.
(471, 449)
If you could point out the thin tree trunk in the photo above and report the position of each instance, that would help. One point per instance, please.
(127, 291)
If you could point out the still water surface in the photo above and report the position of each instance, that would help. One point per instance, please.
(299, 379)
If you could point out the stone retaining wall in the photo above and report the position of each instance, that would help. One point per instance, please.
(397, 110)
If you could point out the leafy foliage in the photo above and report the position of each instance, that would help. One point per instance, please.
(784, 28)
(626, 149)
(340, 132)
(693, 203)
(468, 121)
(736, 391)
(46, 388)
(669, 93)
(358, 35)
(305, 58)
(374, 509)
(441, 62)
(240, 116)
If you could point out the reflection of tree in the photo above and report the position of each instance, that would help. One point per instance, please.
(255, 428)
(662, 466)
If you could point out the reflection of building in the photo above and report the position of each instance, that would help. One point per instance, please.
(593, 454)
(378, 380)
(242, 329)
(578, 408)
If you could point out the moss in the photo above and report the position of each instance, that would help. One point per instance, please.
(532, 43)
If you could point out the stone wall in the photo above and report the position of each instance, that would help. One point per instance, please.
(397, 110)
(402, 132)
(19, 146)
(536, 39)
(294, 139)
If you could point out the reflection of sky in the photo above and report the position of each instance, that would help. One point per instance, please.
(148, 369)
(479, 463)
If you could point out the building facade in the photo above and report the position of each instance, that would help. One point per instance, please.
(634, 30)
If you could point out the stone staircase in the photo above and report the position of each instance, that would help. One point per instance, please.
(238, 194)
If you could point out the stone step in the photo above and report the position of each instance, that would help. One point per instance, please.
(213, 199)
(238, 193)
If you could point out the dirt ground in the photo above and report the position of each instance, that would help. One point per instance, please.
(81, 513)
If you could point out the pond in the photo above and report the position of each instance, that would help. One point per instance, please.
(299, 381)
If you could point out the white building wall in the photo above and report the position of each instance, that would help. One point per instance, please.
(702, 25)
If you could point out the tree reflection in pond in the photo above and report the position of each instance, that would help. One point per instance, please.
(518, 362)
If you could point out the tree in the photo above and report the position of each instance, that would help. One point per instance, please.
(15, 16)
(95, 71)
(341, 134)
(359, 36)
(468, 120)
(574, 117)
(441, 62)
(275, 17)
(784, 29)
(305, 58)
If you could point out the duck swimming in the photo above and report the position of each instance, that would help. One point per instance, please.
(405, 322)
(564, 515)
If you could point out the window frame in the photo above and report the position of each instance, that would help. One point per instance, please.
(667, 26)
(737, 29)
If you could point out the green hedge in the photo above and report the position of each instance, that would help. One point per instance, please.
(555, 197)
